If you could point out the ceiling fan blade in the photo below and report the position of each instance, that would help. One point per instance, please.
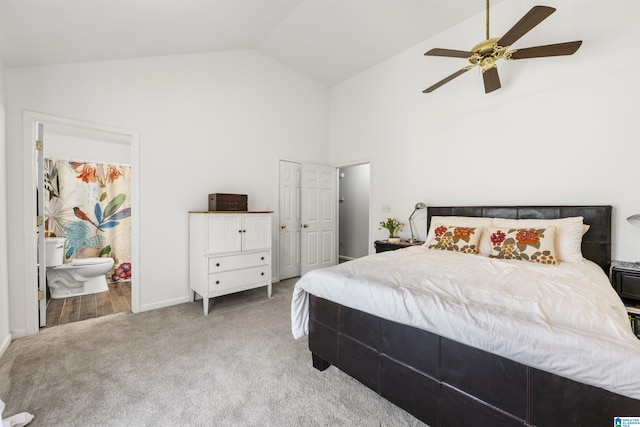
(449, 53)
(491, 80)
(536, 15)
(447, 79)
(558, 49)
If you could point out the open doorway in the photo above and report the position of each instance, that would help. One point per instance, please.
(87, 215)
(353, 211)
(86, 141)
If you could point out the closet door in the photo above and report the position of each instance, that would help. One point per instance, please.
(289, 220)
(318, 215)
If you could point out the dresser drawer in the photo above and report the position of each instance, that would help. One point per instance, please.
(231, 279)
(234, 262)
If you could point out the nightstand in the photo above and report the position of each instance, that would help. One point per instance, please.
(385, 245)
(625, 278)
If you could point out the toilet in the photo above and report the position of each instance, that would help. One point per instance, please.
(82, 276)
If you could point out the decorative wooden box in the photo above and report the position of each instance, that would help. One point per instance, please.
(228, 202)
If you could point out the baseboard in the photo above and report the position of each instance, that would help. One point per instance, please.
(19, 333)
(166, 303)
(5, 344)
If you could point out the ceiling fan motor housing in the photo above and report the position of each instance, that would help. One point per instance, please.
(487, 52)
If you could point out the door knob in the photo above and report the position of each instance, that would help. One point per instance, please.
(283, 226)
(305, 225)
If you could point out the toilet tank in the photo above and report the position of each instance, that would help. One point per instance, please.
(54, 251)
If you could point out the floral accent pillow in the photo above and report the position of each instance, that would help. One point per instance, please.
(569, 232)
(528, 244)
(457, 239)
(458, 221)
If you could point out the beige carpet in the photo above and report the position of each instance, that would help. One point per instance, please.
(238, 366)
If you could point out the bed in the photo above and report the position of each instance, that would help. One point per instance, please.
(447, 375)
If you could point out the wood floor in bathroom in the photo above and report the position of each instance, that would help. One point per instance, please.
(115, 300)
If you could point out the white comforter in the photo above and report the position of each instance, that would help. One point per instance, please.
(564, 319)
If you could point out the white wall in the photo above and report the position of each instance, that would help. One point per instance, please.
(215, 122)
(560, 131)
(5, 330)
(353, 211)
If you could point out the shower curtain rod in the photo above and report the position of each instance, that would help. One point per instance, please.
(55, 159)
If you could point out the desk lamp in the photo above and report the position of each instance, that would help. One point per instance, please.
(419, 206)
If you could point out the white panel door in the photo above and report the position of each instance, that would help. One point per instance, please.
(319, 223)
(42, 265)
(290, 221)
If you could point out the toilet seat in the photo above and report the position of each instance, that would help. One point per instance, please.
(90, 261)
(79, 262)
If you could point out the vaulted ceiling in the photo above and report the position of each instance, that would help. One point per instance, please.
(330, 40)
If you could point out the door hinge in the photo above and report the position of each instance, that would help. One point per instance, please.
(40, 295)
(39, 145)
(39, 221)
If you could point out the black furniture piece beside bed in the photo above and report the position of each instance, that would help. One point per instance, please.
(445, 383)
(625, 278)
(385, 245)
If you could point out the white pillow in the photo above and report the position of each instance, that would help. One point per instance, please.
(463, 221)
(569, 233)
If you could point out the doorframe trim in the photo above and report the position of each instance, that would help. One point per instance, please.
(29, 135)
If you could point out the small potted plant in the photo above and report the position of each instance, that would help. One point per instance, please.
(393, 226)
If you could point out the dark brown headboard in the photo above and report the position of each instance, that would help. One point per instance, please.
(596, 244)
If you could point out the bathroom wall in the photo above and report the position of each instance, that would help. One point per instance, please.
(59, 145)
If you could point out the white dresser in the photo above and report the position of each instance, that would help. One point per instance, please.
(228, 252)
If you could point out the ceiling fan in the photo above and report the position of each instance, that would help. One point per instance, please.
(486, 53)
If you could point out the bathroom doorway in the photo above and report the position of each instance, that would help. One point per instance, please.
(353, 211)
(73, 144)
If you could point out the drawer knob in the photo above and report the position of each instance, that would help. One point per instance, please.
(261, 258)
(217, 282)
(262, 274)
(217, 264)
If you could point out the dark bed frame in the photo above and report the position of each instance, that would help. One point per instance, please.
(446, 383)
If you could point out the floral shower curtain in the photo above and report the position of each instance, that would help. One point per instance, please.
(89, 203)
